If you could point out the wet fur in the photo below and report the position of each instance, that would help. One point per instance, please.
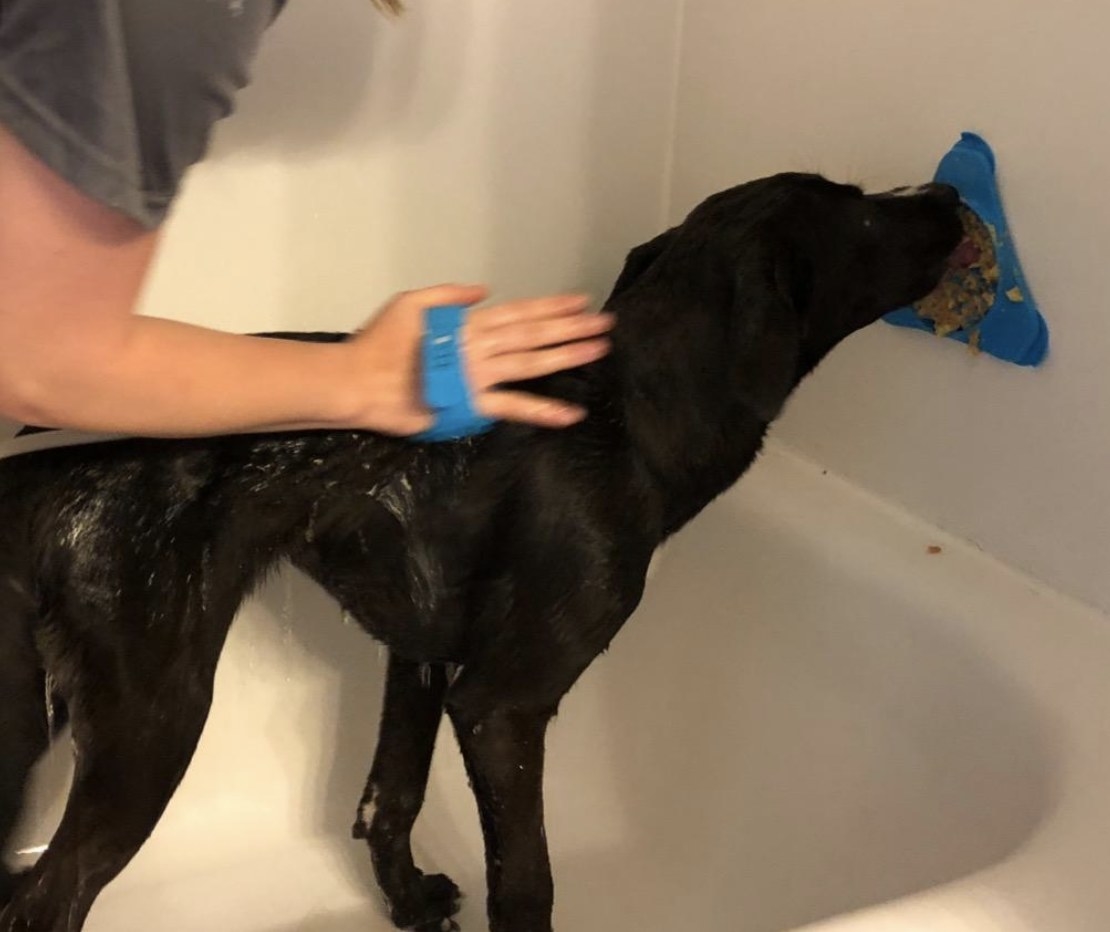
(507, 563)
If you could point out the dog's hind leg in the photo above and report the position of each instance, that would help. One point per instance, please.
(23, 719)
(395, 793)
(135, 727)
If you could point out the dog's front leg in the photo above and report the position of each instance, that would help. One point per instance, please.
(395, 793)
(504, 753)
(501, 705)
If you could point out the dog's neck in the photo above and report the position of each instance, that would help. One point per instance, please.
(693, 426)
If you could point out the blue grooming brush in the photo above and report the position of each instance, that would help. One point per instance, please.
(446, 390)
(1013, 329)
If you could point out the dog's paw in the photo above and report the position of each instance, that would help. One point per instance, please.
(434, 901)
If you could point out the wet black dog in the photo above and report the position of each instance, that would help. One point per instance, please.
(514, 557)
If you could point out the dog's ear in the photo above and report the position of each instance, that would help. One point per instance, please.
(640, 260)
(794, 277)
(768, 331)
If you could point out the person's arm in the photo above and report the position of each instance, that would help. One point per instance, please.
(73, 353)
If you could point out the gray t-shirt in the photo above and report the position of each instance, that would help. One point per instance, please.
(119, 96)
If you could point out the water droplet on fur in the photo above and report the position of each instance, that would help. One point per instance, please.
(425, 675)
(348, 618)
(51, 730)
(383, 652)
(310, 528)
(476, 730)
(205, 577)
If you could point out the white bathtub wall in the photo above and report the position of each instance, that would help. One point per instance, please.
(872, 91)
(517, 144)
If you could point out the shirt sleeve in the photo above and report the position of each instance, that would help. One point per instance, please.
(119, 97)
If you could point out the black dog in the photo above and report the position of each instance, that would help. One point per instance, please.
(506, 562)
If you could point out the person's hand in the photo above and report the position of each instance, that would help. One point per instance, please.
(503, 343)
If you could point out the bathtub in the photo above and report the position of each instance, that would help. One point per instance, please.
(826, 715)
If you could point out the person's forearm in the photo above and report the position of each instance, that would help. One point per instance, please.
(162, 378)
(73, 354)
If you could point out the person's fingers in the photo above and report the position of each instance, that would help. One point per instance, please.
(516, 312)
(516, 367)
(528, 409)
(537, 334)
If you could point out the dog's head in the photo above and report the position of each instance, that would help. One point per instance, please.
(776, 272)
